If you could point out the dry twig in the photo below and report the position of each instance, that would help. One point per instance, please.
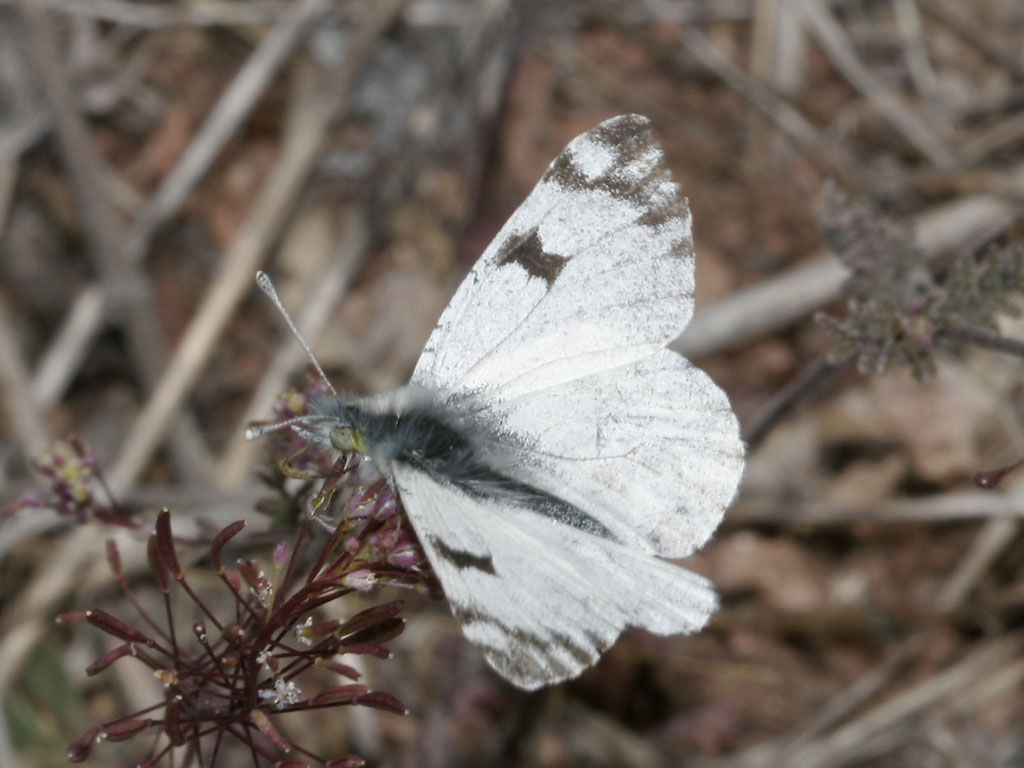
(62, 358)
(102, 227)
(934, 508)
(762, 309)
(316, 311)
(16, 389)
(833, 159)
(233, 107)
(839, 48)
(978, 36)
(156, 15)
(858, 738)
(300, 149)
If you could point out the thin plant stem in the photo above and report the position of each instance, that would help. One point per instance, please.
(815, 376)
(981, 337)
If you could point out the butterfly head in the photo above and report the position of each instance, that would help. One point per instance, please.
(328, 423)
(349, 426)
(348, 439)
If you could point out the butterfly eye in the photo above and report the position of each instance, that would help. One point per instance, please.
(347, 440)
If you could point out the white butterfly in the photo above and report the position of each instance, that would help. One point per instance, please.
(549, 449)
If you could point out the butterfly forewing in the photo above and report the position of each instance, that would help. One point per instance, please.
(556, 339)
(594, 270)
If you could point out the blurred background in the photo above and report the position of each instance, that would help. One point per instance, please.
(154, 155)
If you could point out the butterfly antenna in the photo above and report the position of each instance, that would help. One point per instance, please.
(256, 431)
(265, 284)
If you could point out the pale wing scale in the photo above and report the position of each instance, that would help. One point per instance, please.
(594, 270)
(541, 599)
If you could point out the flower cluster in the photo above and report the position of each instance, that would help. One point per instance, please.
(77, 487)
(243, 665)
(901, 305)
(261, 648)
(292, 404)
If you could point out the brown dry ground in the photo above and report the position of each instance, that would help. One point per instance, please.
(871, 599)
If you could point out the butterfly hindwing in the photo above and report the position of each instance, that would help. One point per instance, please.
(541, 599)
(651, 450)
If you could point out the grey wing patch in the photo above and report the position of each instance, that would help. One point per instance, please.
(528, 252)
(460, 558)
(531, 656)
(622, 157)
